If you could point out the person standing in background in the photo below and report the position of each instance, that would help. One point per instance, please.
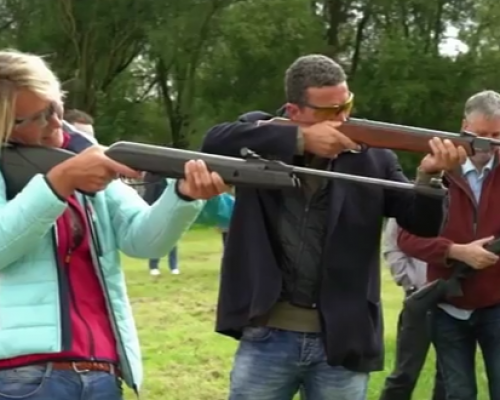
(461, 324)
(223, 232)
(413, 334)
(217, 213)
(223, 225)
(82, 121)
(154, 187)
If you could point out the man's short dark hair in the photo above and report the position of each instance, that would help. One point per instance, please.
(78, 116)
(314, 70)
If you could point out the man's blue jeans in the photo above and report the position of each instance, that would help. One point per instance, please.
(271, 364)
(455, 342)
(154, 263)
(41, 382)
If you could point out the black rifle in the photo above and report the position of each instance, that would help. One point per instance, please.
(20, 163)
(429, 295)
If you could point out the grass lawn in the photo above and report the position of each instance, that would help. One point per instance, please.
(184, 358)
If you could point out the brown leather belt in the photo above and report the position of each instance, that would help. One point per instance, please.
(85, 366)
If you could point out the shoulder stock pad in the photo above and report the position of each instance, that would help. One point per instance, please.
(19, 164)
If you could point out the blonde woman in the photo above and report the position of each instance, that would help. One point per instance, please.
(66, 326)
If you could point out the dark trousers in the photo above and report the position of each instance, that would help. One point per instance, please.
(412, 345)
(154, 263)
(224, 238)
(456, 340)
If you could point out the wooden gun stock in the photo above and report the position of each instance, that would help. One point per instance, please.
(400, 137)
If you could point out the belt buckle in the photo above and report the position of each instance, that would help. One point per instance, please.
(77, 370)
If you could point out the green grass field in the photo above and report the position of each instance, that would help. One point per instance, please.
(184, 358)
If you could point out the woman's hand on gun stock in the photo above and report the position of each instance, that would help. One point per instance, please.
(199, 182)
(89, 172)
(92, 171)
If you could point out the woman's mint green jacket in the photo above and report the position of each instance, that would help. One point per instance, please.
(30, 300)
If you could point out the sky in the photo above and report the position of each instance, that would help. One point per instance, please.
(451, 46)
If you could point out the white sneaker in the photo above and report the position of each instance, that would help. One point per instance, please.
(155, 272)
(175, 272)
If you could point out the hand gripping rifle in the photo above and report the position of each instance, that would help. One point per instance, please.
(400, 137)
(428, 296)
(20, 163)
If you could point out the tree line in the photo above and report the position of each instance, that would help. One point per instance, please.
(163, 72)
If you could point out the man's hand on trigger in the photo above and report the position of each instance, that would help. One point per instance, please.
(324, 140)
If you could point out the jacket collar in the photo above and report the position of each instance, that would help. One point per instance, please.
(467, 167)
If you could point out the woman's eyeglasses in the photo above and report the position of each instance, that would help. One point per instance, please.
(40, 118)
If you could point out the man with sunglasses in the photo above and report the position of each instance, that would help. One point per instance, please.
(300, 280)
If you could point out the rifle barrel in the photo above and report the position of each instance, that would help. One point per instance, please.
(249, 158)
(385, 183)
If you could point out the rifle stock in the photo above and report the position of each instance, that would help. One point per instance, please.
(400, 137)
(20, 163)
(169, 162)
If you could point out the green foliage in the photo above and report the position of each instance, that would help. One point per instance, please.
(258, 40)
(164, 72)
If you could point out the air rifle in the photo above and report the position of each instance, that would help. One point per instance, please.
(20, 163)
(400, 137)
(434, 292)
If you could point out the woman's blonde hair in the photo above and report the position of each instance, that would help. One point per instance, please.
(20, 70)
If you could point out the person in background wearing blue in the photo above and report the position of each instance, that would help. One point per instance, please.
(82, 122)
(154, 187)
(224, 232)
(217, 212)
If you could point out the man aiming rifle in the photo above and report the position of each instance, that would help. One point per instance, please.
(300, 280)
